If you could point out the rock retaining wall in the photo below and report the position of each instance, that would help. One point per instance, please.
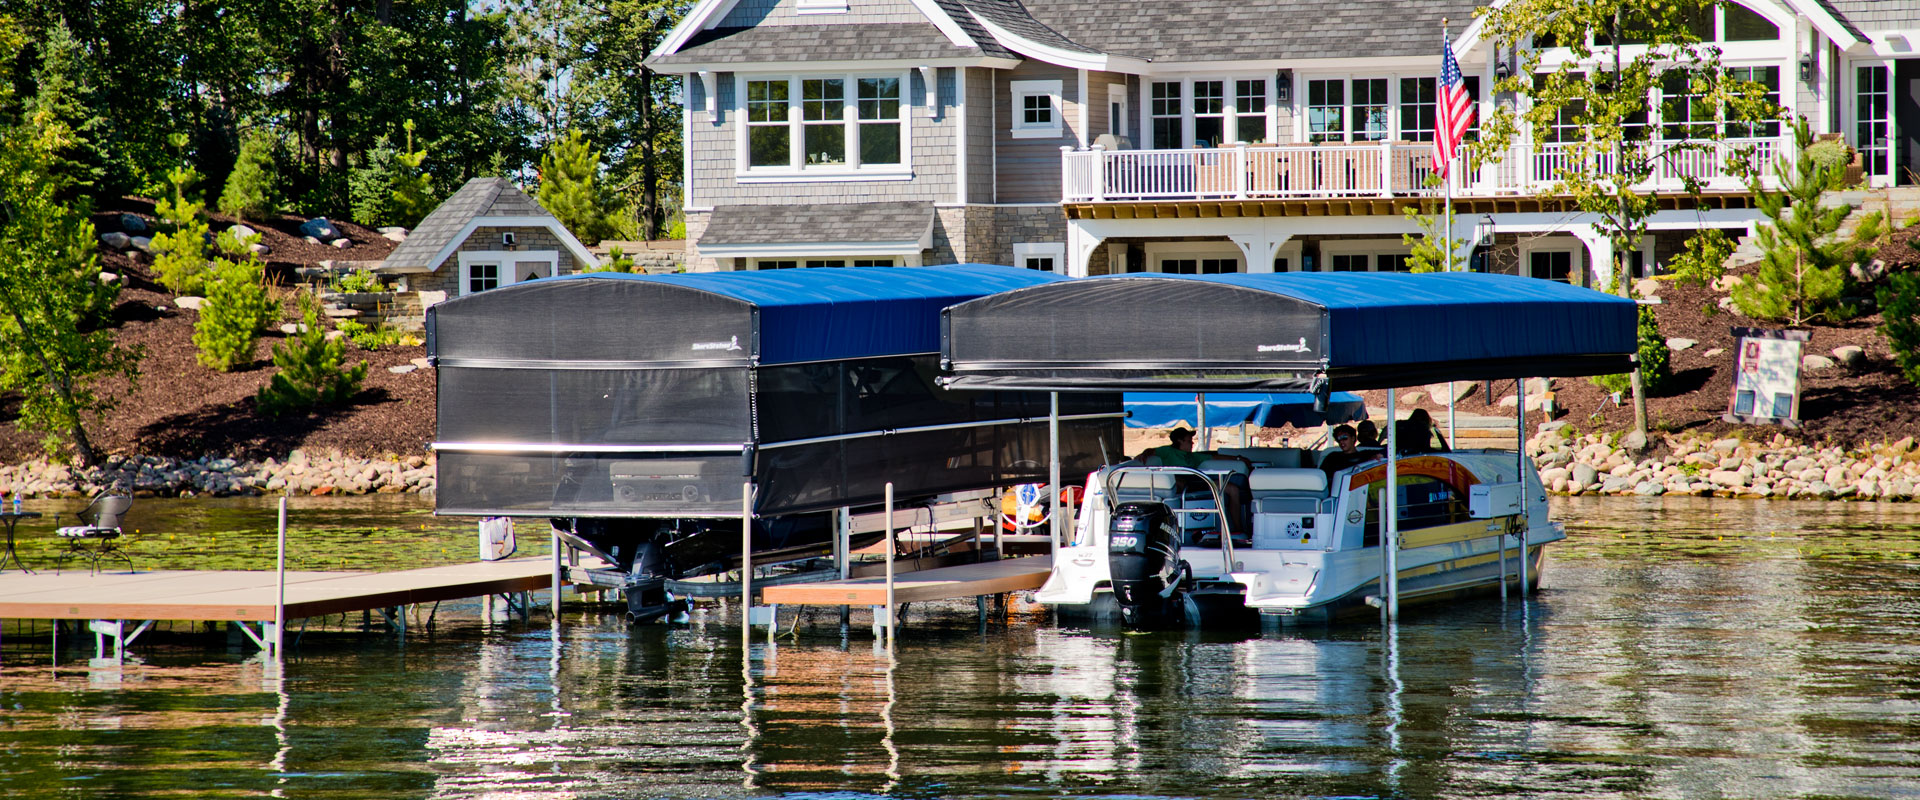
(149, 476)
(1731, 467)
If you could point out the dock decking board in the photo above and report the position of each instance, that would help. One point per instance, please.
(944, 583)
(249, 596)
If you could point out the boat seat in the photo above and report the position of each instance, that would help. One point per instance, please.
(1144, 486)
(1214, 466)
(1270, 482)
(1282, 457)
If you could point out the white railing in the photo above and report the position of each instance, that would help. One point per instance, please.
(1384, 169)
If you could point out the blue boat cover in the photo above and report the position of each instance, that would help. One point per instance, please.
(773, 317)
(1289, 331)
(1268, 410)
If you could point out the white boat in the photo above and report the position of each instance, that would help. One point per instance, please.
(1314, 553)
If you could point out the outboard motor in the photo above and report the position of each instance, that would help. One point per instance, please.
(1143, 560)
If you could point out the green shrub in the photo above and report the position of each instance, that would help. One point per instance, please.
(617, 260)
(1655, 361)
(237, 307)
(180, 255)
(1803, 272)
(1830, 154)
(1704, 260)
(312, 369)
(250, 189)
(371, 337)
(1900, 321)
(357, 282)
(392, 187)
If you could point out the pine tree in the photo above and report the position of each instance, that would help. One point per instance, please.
(65, 95)
(571, 190)
(413, 197)
(393, 188)
(1803, 271)
(237, 307)
(312, 369)
(250, 189)
(52, 349)
(180, 255)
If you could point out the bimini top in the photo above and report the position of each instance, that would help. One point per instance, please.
(1227, 409)
(1284, 332)
(712, 319)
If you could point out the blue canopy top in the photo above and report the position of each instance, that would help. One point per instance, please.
(1287, 331)
(1266, 410)
(772, 317)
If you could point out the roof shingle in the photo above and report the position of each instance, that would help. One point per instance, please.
(818, 223)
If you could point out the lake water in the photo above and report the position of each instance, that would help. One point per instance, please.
(1680, 647)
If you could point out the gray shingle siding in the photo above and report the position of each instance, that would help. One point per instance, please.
(931, 155)
(785, 12)
(1872, 15)
(980, 133)
(1029, 169)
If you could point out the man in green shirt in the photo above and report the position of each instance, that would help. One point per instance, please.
(1179, 452)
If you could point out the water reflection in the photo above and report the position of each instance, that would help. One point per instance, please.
(1677, 649)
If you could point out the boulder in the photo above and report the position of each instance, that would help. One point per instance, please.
(1869, 272)
(1646, 287)
(1455, 392)
(259, 249)
(1714, 352)
(1727, 445)
(1814, 363)
(1554, 474)
(1649, 489)
(241, 232)
(1539, 385)
(1413, 398)
(143, 244)
(394, 234)
(341, 243)
(1725, 283)
(1546, 427)
(109, 278)
(1723, 477)
(1616, 485)
(190, 302)
(311, 240)
(1676, 343)
(406, 368)
(1850, 356)
(1510, 401)
(320, 228)
(1725, 304)
(116, 240)
(422, 363)
(1634, 442)
(133, 223)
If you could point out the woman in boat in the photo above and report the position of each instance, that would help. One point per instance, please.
(1416, 434)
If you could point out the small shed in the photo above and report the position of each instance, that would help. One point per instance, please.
(487, 235)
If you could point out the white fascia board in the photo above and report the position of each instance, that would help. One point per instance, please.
(1823, 22)
(1470, 38)
(567, 238)
(810, 249)
(697, 19)
(938, 16)
(796, 67)
(1356, 66)
(1890, 44)
(1102, 62)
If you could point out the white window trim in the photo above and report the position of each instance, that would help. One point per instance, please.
(1019, 91)
(1373, 249)
(1850, 119)
(1556, 244)
(1158, 251)
(1230, 116)
(820, 7)
(505, 259)
(797, 170)
(1117, 96)
(1054, 250)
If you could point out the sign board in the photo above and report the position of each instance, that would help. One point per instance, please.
(1766, 377)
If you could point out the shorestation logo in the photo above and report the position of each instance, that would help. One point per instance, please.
(1299, 347)
(730, 345)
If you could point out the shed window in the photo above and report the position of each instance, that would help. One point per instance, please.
(481, 277)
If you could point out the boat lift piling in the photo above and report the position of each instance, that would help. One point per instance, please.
(1390, 533)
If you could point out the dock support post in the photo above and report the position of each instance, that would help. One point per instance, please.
(842, 546)
(1053, 474)
(280, 601)
(1526, 522)
(891, 622)
(1390, 531)
(553, 538)
(746, 568)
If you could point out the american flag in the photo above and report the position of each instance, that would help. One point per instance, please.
(1456, 111)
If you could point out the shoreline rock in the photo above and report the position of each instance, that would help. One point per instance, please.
(299, 474)
(1704, 466)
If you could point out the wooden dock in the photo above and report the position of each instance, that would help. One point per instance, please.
(250, 596)
(943, 583)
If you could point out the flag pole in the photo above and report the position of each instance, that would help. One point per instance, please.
(1448, 172)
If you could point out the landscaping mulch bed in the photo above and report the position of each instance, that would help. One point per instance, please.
(182, 409)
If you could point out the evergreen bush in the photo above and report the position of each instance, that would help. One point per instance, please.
(1900, 321)
(250, 189)
(180, 254)
(312, 369)
(392, 187)
(1656, 371)
(571, 190)
(1803, 271)
(238, 305)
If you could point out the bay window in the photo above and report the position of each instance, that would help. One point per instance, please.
(823, 124)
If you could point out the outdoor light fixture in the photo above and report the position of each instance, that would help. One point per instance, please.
(506, 239)
(1486, 231)
(1283, 88)
(1806, 67)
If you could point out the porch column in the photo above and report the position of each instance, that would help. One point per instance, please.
(1080, 246)
(1599, 256)
(1260, 247)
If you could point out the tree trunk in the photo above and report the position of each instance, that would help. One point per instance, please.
(1620, 260)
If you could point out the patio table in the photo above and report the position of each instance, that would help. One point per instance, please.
(10, 519)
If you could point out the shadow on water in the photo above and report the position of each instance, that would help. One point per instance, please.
(1678, 648)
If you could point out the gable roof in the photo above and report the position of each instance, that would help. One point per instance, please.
(481, 201)
(815, 43)
(1191, 30)
(1879, 15)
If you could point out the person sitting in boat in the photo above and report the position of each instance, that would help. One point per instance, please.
(1369, 435)
(1179, 452)
(1349, 453)
(1416, 434)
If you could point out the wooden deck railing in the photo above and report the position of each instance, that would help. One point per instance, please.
(1384, 169)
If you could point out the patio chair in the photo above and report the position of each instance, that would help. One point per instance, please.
(98, 535)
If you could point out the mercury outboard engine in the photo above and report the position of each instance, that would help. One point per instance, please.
(1143, 560)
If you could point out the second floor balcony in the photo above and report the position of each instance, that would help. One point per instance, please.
(1380, 170)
